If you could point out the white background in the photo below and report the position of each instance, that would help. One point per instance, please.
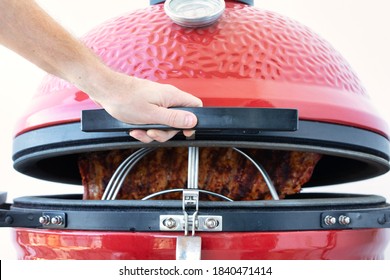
(358, 29)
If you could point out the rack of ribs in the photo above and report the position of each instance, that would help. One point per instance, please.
(221, 170)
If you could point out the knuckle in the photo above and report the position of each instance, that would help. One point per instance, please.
(172, 118)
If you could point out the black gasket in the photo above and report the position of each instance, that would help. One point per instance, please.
(350, 153)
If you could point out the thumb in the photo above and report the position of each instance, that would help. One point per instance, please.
(176, 118)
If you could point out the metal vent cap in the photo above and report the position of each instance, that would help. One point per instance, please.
(194, 13)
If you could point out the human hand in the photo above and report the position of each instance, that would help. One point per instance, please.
(35, 36)
(139, 101)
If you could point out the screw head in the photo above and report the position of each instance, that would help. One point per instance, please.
(344, 220)
(211, 223)
(57, 220)
(330, 220)
(382, 220)
(170, 223)
(44, 220)
(9, 220)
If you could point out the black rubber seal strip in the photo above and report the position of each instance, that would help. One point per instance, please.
(350, 153)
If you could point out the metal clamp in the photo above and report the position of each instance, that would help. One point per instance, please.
(190, 209)
(190, 247)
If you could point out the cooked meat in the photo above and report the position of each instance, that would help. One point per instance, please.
(221, 170)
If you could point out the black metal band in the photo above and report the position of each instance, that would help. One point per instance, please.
(144, 216)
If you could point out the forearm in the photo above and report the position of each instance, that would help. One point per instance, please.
(29, 31)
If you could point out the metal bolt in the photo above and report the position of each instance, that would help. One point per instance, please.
(344, 220)
(9, 220)
(329, 220)
(170, 223)
(211, 223)
(382, 220)
(44, 220)
(57, 220)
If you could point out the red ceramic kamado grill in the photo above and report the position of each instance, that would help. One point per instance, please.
(268, 83)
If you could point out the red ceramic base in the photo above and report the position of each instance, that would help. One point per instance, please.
(336, 245)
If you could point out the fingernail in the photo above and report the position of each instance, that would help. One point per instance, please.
(189, 121)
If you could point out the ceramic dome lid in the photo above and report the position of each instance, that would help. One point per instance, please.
(249, 58)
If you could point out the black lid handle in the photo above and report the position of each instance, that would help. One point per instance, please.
(209, 119)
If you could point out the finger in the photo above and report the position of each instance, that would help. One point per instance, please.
(176, 118)
(141, 135)
(160, 135)
(188, 133)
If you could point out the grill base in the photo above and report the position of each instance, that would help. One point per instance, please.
(304, 226)
(364, 244)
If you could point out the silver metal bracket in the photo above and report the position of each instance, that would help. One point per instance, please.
(53, 219)
(202, 223)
